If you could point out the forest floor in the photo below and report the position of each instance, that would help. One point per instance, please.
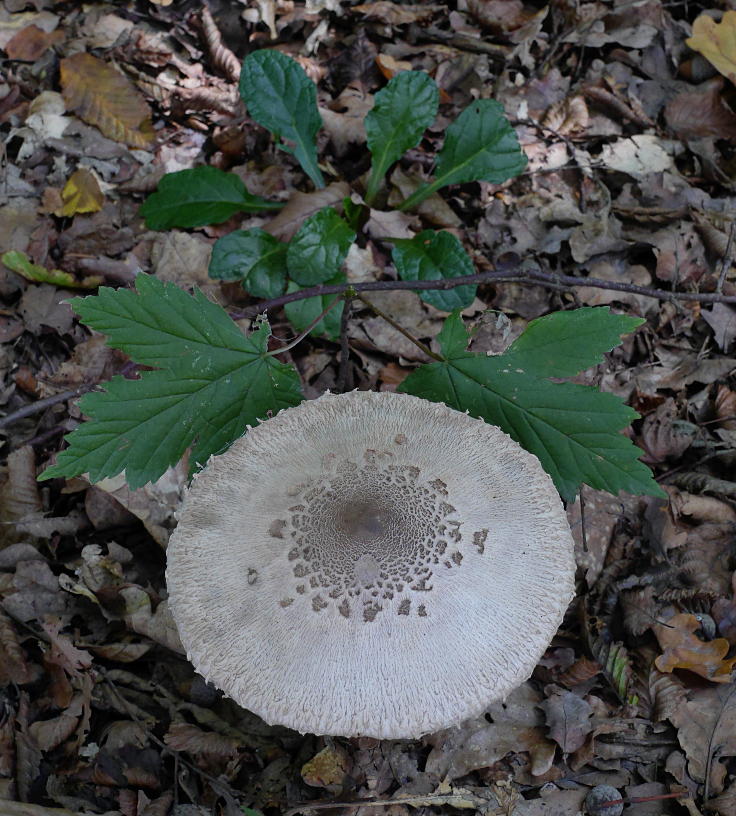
(630, 137)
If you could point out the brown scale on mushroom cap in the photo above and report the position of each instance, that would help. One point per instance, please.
(370, 564)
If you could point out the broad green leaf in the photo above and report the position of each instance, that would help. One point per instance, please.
(434, 255)
(572, 429)
(212, 382)
(253, 257)
(317, 251)
(453, 337)
(281, 97)
(200, 196)
(563, 343)
(480, 145)
(402, 111)
(302, 313)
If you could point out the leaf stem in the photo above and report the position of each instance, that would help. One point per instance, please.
(298, 339)
(418, 343)
(420, 194)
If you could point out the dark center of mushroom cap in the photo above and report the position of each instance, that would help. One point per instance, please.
(368, 536)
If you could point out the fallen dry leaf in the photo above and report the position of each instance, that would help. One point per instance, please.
(701, 112)
(706, 727)
(397, 13)
(684, 650)
(327, 769)
(32, 42)
(716, 42)
(81, 193)
(568, 719)
(102, 96)
(301, 205)
(186, 737)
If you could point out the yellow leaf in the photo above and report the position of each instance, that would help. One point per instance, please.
(81, 193)
(716, 42)
(102, 96)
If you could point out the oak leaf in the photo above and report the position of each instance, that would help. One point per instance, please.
(684, 650)
(103, 97)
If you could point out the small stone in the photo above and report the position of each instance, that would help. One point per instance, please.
(595, 801)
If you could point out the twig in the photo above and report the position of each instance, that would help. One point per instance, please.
(41, 405)
(418, 343)
(726, 262)
(344, 380)
(547, 279)
(298, 339)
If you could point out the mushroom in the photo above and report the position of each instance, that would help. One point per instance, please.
(370, 564)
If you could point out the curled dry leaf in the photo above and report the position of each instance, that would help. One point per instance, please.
(667, 694)
(567, 117)
(158, 625)
(684, 650)
(102, 96)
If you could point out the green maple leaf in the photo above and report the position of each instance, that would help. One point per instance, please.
(211, 382)
(572, 429)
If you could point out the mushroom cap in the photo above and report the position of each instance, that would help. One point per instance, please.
(370, 564)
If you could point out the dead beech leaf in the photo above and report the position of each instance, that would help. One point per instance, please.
(186, 737)
(684, 650)
(568, 719)
(81, 193)
(701, 112)
(716, 42)
(122, 652)
(50, 733)
(389, 66)
(301, 205)
(32, 42)
(397, 13)
(102, 96)
(343, 119)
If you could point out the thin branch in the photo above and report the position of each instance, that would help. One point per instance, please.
(546, 279)
(298, 339)
(418, 343)
(41, 405)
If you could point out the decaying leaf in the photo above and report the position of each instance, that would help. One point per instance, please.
(684, 650)
(327, 769)
(568, 719)
(706, 727)
(81, 193)
(716, 42)
(186, 737)
(20, 263)
(32, 42)
(397, 13)
(102, 96)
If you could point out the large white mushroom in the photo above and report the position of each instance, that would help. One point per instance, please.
(370, 564)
